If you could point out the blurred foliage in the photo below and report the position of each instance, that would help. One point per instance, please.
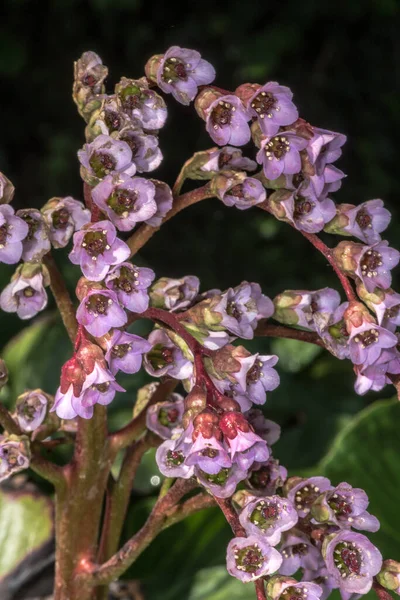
(343, 65)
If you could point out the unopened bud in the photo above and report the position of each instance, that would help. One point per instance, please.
(6, 189)
(228, 404)
(84, 286)
(196, 399)
(89, 76)
(389, 575)
(247, 91)
(277, 585)
(346, 255)
(292, 306)
(356, 315)
(204, 100)
(340, 221)
(232, 422)
(152, 66)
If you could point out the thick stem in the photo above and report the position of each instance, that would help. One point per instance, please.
(117, 564)
(49, 471)
(265, 329)
(7, 422)
(145, 232)
(62, 297)
(260, 589)
(231, 516)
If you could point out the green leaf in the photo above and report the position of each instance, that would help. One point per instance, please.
(215, 583)
(26, 524)
(366, 454)
(294, 355)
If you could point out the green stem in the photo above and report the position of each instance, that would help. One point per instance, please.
(48, 470)
(62, 297)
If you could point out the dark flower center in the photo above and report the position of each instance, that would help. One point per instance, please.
(28, 292)
(160, 356)
(340, 506)
(174, 458)
(168, 417)
(89, 80)
(122, 202)
(133, 143)
(370, 262)
(265, 514)
(392, 312)
(103, 387)
(263, 104)
(367, 338)
(120, 350)
(363, 219)
(298, 179)
(277, 147)
(97, 304)
(261, 478)
(233, 311)
(306, 496)
(237, 191)
(219, 478)
(174, 70)
(29, 408)
(222, 114)
(3, 235)
(112, 119)
(339, 330)
(60, 218)
(347, 559)
(102, 163)
(249, 559)
(131, 97)
(302, 207)
(33, 225)
(126, 281)
(224, 159)
(254, 374)
(95, 243)
(209, 452)
(294, 593)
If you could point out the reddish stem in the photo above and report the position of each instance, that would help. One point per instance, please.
(231, 516)
(381, 592)
(260, 589)
(272, 330)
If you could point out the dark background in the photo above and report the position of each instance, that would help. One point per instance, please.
(342, 61)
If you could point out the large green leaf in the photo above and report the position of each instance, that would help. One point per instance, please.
(26, 524)
(215, 583)
(366, 454)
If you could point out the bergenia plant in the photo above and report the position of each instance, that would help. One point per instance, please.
(293, 537)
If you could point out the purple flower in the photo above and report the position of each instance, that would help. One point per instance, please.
(345, 507)
(388, 310)
(14, 455)
(165, 358)
(268, 517)
(227, 121)
(249, 558)
(106, 155)
(322, 578)
(164, 417)
(267, 477)
(228, 158)
(307, 214)
(163, 199)
(124, 352)
(290, 589)
(293, 307)
(99, 388)
(31, 409)
(25, 295)
(209, 455)
(222, 484)
(260, 376)
(12, 231)
(272, 105)
(280, 154)
(242, 307)
(332, 329)
(125, 200)
(146, 154)
(374, 265)
(172, 453)
(130, 285)
(325, 147)
(245, 446)
(108, 119)
(37, 243)
(99, 311)
(96, 248)
(64, 216)
(174, 294)
(374, 377)
(180, 71)
(142, 105)
(268, 430)
(304, 493)
(244, 195)
(352, 560)
(298, 552)
(367, 342)
(367, 221)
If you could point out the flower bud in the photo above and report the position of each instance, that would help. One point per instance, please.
(196, 399)
(319, 510)
(247, 91)
(89, 76)
(232, 422)
(206, 424)
(276, 199)
(204, 100)
(340, 221)
(14, 455)
(277, 584)
(3, 373)
(292, 307)
(356, 315)
(228, 404)
(6, 190)
(72, 374)
(225, 361)
(389, 576)
(31, 409)
(346, 255)
(152, 66)
(84, 286)
(174, 294)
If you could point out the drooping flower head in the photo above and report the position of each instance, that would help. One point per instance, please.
(125, 351)
(228, 158)
(37, 243)
(142, 105)
(174, 294)
(13, 230)
(163, 199)
(298, 552)
(375, 264)
(166, 358)
(146, 153)
(14, 455)
(240, 191)
(31, 409)
(64, 216)
(99, 311)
